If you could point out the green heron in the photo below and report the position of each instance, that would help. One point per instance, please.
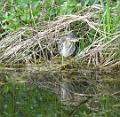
(67, 46)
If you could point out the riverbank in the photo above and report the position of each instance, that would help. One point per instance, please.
(96, 28)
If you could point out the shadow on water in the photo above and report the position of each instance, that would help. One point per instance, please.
(80, 93)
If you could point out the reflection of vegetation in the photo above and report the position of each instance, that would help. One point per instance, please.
(24, 99)
(20, 100)
(108, 107)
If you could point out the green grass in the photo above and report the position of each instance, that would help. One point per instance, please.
(19, 13)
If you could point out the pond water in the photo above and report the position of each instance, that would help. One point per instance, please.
(79, 93)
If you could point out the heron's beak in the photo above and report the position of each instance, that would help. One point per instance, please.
(74, 40)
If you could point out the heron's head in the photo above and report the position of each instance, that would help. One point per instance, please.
(71, 37)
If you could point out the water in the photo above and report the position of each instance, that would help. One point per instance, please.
(80, 93)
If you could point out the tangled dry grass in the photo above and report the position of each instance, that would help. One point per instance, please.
(27, 43)
(101, 53)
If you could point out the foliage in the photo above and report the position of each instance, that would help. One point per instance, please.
(18, 13)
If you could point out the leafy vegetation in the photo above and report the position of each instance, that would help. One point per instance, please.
(19, 13)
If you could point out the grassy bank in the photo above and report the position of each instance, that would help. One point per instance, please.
(30, 30)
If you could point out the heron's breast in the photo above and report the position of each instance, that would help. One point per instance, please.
(67, 49)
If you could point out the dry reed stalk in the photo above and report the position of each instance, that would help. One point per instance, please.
(100, 52)
(21, 44)
(17, 46)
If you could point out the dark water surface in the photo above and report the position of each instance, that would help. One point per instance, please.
(80, 93)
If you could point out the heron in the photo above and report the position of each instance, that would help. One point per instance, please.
(67, 46)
